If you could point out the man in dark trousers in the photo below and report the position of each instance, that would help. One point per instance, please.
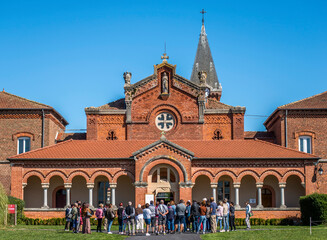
(130, 215)
(195, 212)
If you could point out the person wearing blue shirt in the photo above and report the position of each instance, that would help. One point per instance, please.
(213, 217)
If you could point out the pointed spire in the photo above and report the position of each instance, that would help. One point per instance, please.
(204, 62)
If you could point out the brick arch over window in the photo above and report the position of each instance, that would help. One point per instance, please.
(101, 173)
(55, 173)
(164, 107)
(78, 173)
(123, 173)
(305, 133)
(23, 134)
(270, 172)
(182, 174)
(247, 172)
(229, 173)
(293, 172)
(201, 173)
(33, 173)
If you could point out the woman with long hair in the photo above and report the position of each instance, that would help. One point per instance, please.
(86, 214)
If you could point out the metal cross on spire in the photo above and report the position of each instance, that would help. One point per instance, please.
(203, 12)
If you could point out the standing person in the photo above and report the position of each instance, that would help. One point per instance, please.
(220, 213)
(225, 212)
(110, 215)
(227, 220)
(105, 220)
(248, 215)
(68, 215)
(170, 219)
(99, 216)
(130, 217)
(153, 216)
(232, 216)
(120, 212)
(74, 217)
(208, 227)
(147, 218)
(139, 219)
(213, 215)
(203, 218)
(180, 216)
(162, 211)
(80, 226)
(195, 212)
(86, 214)
(188, 215)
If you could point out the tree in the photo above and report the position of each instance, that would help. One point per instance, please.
(3, 205)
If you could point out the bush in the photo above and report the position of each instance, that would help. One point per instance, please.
(20, 207)
(314, 206)
(3, 205)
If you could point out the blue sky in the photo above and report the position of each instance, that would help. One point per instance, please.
(72, 54)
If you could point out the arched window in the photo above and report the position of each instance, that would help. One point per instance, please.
(305, 144)
(23, 144)
(223, 190)
(163, 174)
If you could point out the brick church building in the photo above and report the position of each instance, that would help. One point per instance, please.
(173, 138)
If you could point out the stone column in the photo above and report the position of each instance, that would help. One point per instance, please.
(113, 187)
(237, 195)
(45, 187)
(259, 188)
(90, 186)
(214, 191)
(23, 186)
(68, 186)
(282, 187)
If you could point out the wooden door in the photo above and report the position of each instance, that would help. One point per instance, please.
(266, 197)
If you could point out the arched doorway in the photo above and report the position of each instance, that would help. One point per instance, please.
(225, 188)
(163, 183)
(201, 188)
(33, 193)
(293, 191)
(248, 191)
(125, 190)
(270, 193)
(60, 196)
(101, 185)
(79, 190)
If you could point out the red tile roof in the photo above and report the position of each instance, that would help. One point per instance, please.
(8, 100)
(68, 136)
(118, 104)
(214, 104)
(258, 134)
(224, 149)
(313, 102)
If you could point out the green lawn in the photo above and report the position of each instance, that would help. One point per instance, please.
(25, 232)
(272, 232)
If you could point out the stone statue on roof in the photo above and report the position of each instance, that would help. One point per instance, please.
(164, 81)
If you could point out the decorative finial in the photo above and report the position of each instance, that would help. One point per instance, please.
(127, 77)
(164, 57)
(163, 137)
(203, 12)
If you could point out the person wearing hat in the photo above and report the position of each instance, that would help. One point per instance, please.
(120, 211)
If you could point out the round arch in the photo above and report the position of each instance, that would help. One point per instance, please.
(202, 172)
(78, 173)
(55, 173)
(101, 173)
(183, 176)
(247, 172)
(268, 173)
(123, 173)
(293, 172)
(33, 173)
(221, 173)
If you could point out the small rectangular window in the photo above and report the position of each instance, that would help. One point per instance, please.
(305, 144)
(24, 145)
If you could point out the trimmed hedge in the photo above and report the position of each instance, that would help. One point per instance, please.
(314, 206)
(20, 206)
(238, 221)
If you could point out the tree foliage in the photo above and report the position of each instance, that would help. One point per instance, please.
(3, 204)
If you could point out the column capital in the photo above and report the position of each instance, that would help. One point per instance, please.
(24, 185)
(140, 184)
(214, 185)
(67, 185)
(45, 185)
(282, 184)
(90, 185)
(186, 184)
(236, 185)
(259, 184)
(113, 185)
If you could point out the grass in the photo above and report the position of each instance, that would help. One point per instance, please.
(34, 232)
(272, 232)
(26, 232)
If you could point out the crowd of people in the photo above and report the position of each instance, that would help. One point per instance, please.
(160, 218)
